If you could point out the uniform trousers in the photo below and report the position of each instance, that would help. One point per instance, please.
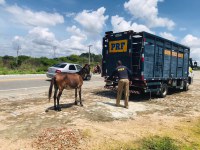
(123, 85)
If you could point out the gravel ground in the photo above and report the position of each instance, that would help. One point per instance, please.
(29, 121)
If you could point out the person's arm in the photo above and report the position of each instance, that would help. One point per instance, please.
(113, 74)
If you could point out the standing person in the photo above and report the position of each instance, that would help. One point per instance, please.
(98, 68)
(123, 74)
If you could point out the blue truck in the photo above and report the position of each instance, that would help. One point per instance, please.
(157, 64)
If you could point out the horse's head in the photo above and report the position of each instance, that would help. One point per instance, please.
(86, 69)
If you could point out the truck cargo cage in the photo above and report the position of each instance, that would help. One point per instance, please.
(152, 59)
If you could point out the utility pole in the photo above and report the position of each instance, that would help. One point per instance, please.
(18, 48)
(54, 51)
(89, 52)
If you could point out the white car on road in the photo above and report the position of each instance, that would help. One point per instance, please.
(62, 67)
(65, 67)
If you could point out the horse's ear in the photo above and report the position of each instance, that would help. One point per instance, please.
(87, 65)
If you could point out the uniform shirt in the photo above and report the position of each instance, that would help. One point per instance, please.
(122, 72)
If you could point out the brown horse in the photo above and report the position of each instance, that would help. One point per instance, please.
(63, 81)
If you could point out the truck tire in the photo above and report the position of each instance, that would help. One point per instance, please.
(164, 90)
(185, 86)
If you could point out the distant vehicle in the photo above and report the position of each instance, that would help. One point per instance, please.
(65, 68)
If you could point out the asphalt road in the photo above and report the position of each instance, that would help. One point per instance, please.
(23, 82)
(14, 86)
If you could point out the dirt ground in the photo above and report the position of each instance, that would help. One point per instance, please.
(30, 122)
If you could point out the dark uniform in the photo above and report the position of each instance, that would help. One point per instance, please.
(123, 74)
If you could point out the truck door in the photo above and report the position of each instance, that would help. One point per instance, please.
(137, 44)
(116, 47)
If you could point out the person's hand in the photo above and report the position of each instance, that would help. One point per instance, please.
(106, 79)
(130, 82)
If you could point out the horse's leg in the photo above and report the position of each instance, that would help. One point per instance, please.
(80, 97)
(55, 96)
(75, 97)
(58, 99)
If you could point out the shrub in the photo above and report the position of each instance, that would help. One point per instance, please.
(158, 143)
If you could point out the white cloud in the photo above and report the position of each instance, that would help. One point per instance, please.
(40, 41)
(97, 47)
(42, 36)
(147, 11)
(77, 38)
(168, 36)
(76, 31)
(191, 40)
(31, 18)
(119, 24)
(194, 44)
(73, 45)
(92, 21)
(76, 42)
(70, 14)
(16, 42)
(2, 2)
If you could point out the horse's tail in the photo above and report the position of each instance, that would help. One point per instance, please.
(51, 87)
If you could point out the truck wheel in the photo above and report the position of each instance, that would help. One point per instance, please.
(164, 90)
(185, 86)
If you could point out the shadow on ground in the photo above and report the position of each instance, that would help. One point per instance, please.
(133, 97)
(63, 106)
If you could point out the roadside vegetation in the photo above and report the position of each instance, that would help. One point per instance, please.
(29, 65)
(187, 138)
(152, 143)
(147, 143)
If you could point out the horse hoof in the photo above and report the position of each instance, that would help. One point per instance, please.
(75, 103)
(81, 105)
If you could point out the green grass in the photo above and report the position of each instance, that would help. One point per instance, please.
(147, 143)
(5, 71)
(158, 143)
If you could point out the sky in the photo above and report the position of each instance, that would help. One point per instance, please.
(38, 28)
